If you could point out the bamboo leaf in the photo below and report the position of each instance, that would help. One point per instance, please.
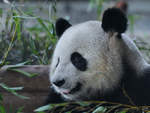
(43, 108)
(83, 103)
(1, 12)
(9, 88)
(45, 27)
(18, 24)
(24, 73)
(2, 109)
(17, 65)
(100, 109)
(13, 90)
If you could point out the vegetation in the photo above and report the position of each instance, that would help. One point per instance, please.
(20, 43)
(93, 107)
(26, 44)
(34, 45)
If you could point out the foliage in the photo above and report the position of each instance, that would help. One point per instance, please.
(92, 107)
(19, 43)
(13, 91)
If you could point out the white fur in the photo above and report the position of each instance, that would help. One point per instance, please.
(103, 51)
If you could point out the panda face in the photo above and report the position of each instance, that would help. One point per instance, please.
(83, 63)
(79, 65)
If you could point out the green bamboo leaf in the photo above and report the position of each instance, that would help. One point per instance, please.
(100, 109)
(41, 112)
(18, 24)
(16, 88)
(20, 96)
(47, 30)
(43, 108)
(1, 12)
(2, 109)
(25, 17)
(83, 103)
(9, 88)
(17, 65)
(13, 90)
(24, 73)
(45, 27)
(125, 110)
(49, 107)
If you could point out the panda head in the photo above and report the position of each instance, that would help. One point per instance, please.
(84, 60)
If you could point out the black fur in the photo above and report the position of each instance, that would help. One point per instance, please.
(61, 26)
(114, 20)
(78, 61)
(133, 89)
(137, 86)
(53, 97)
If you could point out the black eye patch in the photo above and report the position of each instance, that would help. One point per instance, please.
(78, 61)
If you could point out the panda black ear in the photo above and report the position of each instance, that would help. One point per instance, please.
(61, 25)
(114, 20)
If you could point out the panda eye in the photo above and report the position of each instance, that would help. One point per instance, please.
(58, 62)
(78, 61)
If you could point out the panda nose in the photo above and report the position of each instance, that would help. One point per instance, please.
(59, 83)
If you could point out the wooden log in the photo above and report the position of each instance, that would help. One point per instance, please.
(36, 88)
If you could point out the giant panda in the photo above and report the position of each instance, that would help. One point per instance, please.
(95, 60)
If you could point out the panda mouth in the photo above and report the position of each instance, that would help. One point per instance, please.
(75, 89)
